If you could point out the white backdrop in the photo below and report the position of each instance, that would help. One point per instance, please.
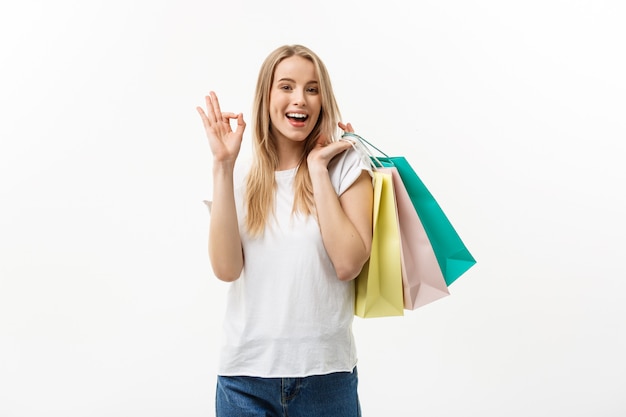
(513, 114)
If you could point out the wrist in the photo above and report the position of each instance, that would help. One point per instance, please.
(316, 170)
(223, 166)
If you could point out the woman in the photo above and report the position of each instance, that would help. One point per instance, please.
(290, 230)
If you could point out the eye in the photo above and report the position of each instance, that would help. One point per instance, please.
(285, 87)
(312, 90)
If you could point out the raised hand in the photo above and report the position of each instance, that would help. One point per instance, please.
(224, 142)
(323, 151)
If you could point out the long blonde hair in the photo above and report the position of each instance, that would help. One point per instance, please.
(260, 183)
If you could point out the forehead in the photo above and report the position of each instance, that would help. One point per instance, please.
(296, 68)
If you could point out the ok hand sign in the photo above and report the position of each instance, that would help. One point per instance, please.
(224, 142)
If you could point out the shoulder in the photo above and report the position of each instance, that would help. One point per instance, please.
(346, 167)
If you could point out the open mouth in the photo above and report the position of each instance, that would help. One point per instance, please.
(297, 117)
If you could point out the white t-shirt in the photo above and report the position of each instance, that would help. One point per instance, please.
(288, 315)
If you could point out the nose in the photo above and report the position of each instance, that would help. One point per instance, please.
(298, 97)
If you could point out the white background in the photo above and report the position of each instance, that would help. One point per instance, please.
(512, 112)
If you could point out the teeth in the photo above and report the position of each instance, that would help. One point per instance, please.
(297, 115)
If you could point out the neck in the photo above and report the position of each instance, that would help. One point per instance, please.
(290, 155)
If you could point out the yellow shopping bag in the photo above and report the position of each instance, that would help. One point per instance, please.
(379, 287)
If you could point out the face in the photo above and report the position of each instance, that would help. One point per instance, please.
(295, 101)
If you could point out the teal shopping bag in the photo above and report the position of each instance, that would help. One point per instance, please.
(452, 255)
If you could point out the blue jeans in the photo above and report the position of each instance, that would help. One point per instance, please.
(332, 395)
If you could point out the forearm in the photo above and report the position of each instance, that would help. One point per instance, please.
(225, 250)
(347, 245)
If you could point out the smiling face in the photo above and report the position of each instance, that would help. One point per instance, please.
(295, 101)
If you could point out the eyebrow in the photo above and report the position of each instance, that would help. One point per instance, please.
(293, 81)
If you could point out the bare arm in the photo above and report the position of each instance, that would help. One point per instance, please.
(225, 250)
(346, 221)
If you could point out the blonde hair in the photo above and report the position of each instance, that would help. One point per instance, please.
(260, 183)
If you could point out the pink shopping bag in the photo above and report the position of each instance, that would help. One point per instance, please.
(423, 281)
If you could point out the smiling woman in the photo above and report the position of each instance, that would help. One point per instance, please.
(295, 106)
(290, 232)
(512, 112)
(295, 103)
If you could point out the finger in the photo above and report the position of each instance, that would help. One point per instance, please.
(226, 116)
(342, 144)
(203, 116)
(241, 124)
(216, 106)
(336, 148)
(210, 115)
(201, 112)
(346, 127)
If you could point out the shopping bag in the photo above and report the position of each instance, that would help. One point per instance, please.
(452, 255)
(378, 287)
(422, 279)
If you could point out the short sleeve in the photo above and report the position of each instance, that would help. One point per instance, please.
(346, 168)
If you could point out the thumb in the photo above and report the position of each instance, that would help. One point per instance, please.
(241, 124)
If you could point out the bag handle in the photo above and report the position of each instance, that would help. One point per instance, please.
(360, 146)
